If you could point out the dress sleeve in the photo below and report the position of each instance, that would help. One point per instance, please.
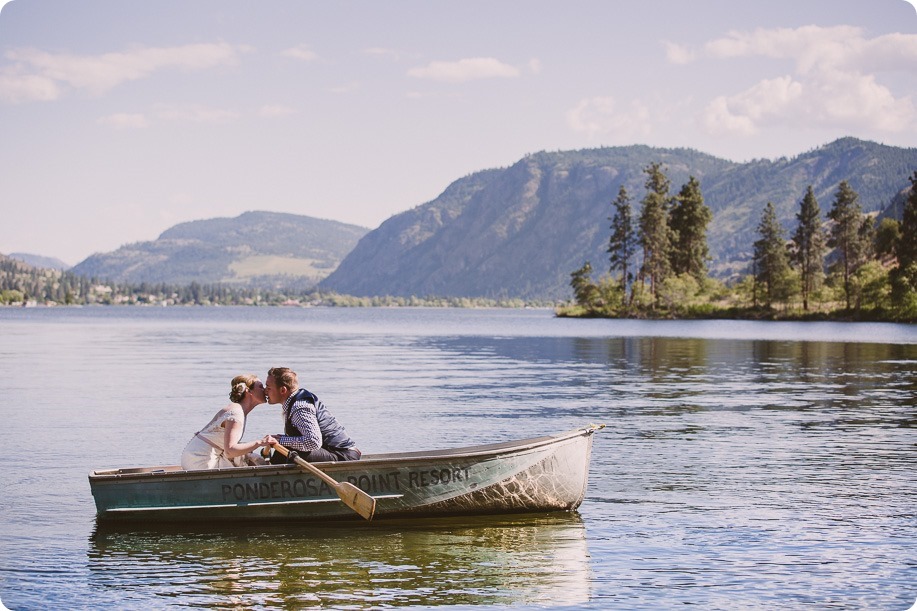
(235, 414)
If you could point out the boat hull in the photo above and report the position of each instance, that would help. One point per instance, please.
(543, 474)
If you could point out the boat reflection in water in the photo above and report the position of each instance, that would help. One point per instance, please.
(529, 559)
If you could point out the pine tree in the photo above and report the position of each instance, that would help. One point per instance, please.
(850, 234)
(622, 245)
(906, 248)
(904, 276)
(584, 289)
(688, 220)
(888, 235)
(654, 232)
(770, 257)
(809, 241)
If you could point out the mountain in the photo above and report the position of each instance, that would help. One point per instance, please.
(11, 262)
(520, 231)
(255, 248)
(39, 261)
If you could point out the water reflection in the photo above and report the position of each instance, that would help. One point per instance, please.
(539, 559)
(684, 374)
(664, 353)
(734, 472)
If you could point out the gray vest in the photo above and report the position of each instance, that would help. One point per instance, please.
(333, 433)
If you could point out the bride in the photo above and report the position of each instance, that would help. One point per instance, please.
(218, 444)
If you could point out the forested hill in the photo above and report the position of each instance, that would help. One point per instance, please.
(520, 231)
(39, 261)
(265, 249)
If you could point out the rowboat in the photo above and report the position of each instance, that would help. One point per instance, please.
(532, 475)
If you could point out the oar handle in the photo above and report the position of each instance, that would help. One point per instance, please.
(307, 465)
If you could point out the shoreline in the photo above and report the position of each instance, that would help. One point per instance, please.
(566, 311)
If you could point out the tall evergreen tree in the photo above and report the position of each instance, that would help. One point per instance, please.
(770, 257)
(810, 247)
(904, 276)
(584, 289)
(654, 232)
(888, 235)
(622, 245)
(906, 248)
(688, 220)
(850, 234)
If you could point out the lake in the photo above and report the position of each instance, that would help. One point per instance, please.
(744, 464)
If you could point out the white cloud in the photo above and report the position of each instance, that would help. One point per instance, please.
(39, 75)
(346, 87)
(859, 100)
(196, 113)
(889, 52)
(811, 47)
(275, 110)
(678, 54)
(192, 113)
(744, 113)
(382, 52)
(465, 70)
(301, 52)
(600, 116)
(719, 118)
(419, 95)
(835, 80)
(125, 120)
(16, 87)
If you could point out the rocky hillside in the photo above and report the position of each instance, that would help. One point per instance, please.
(256, 248)
(521, 230)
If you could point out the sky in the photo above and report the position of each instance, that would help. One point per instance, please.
(122, 118)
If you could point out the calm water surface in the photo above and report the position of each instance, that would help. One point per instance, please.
(745, 465)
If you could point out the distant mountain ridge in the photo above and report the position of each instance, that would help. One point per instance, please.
(520, 231)
(514, 232)
(39, 261)
(255, 248)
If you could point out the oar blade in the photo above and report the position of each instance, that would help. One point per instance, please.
(356, 499)
(351, 496)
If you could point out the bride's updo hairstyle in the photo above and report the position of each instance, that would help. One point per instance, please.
(240, 385)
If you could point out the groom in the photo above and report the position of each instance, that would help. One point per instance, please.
(309, 428)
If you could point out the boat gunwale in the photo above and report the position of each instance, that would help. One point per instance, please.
(370, 460)
(127, 510)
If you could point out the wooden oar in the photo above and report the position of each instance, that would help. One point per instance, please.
(352, 496)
